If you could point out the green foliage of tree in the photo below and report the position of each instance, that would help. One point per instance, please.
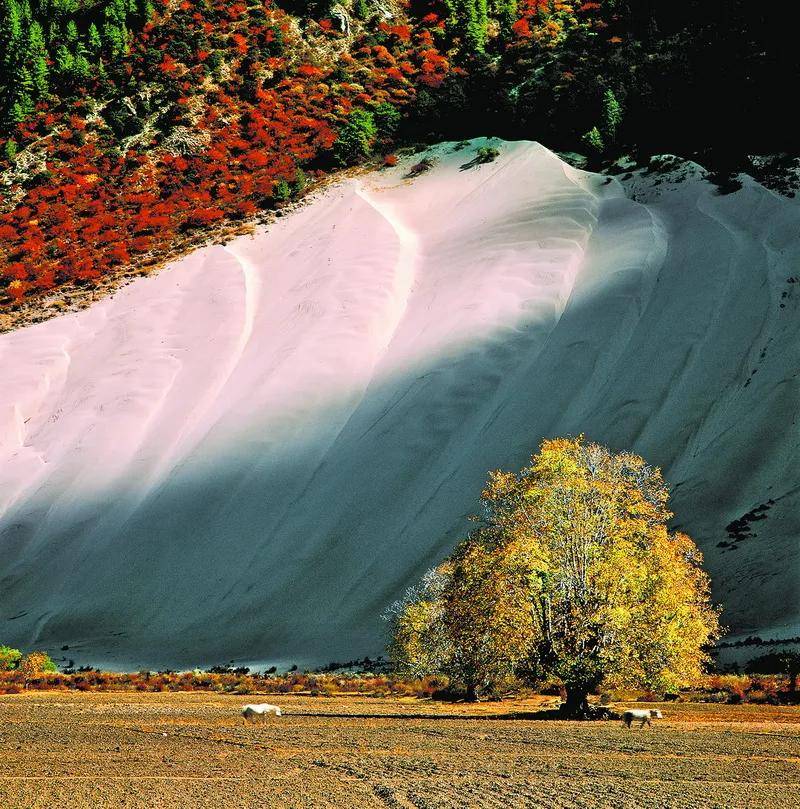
(356, 138)
(571, 574)
(114, 38)
(55, 47)
(81, 68)
(9, 657)
(387, 121)
(12, 115)
(468, 20)
(361, 9)
(505, 11)
(612, 116)
(594, 140)
(282, 191)
(36, 663)
(11, 35)
(37, 53)
(93, 41)
(300, 182)
(64, 61)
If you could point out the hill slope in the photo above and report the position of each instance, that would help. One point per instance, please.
(249, 455)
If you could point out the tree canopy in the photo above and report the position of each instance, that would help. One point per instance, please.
(570, 574)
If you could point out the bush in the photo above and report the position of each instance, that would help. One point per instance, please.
(356, 138)
(35, 663)
(387, 120)
(594, 140)
(9, 658)
(282, 191)
(486, 154)
(426, 164)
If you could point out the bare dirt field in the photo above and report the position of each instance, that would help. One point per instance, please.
(194, 750)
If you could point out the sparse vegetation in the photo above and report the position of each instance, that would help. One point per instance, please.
(426, 164)
(485, 154)
(219, 679)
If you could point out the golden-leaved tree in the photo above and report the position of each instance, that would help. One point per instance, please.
(571, 573)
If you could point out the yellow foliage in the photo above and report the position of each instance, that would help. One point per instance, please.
(573, 574)
(35, 663)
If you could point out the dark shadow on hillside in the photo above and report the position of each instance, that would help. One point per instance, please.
(248, 554)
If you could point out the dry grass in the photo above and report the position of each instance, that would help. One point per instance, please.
(193, 750)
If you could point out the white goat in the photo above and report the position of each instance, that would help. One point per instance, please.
(642, 715)
(262, 710)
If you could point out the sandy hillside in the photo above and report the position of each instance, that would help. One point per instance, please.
(249, 455)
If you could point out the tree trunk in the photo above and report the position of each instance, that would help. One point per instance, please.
(576, 704)
(471, 693)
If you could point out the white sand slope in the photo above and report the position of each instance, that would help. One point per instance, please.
(249, 455)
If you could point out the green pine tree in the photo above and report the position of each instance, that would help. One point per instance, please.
(356, 137)
(594, 140)
(12, 116)
(64, 60)
(506, 13)
(93, 41)
(475, 35)
(120, 11)
(612, 116)
(10, 36)
(468, 19)
(24, 90)
(37, 54)
(81, 68)
(113, 38)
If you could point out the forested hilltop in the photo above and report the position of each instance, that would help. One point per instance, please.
(130, 126)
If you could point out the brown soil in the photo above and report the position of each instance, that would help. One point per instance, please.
(194, 750)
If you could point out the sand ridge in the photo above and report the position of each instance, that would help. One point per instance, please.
(249, 455)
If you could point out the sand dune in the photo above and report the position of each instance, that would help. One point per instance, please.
(249, 455)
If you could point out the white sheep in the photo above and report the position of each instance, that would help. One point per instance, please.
(263, 710)
(643, 715)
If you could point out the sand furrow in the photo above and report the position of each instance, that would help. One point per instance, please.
(250, 454)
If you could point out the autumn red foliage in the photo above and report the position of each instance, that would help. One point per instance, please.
(96, 205)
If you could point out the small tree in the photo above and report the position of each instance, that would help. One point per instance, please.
(9, 658)
(612, 116)
(594, 140)
(356, 137)
(282, 191)
(572, 574)
(93, 40)
(37, 54)
(35, 663)
(387, 120)
(419, 642)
